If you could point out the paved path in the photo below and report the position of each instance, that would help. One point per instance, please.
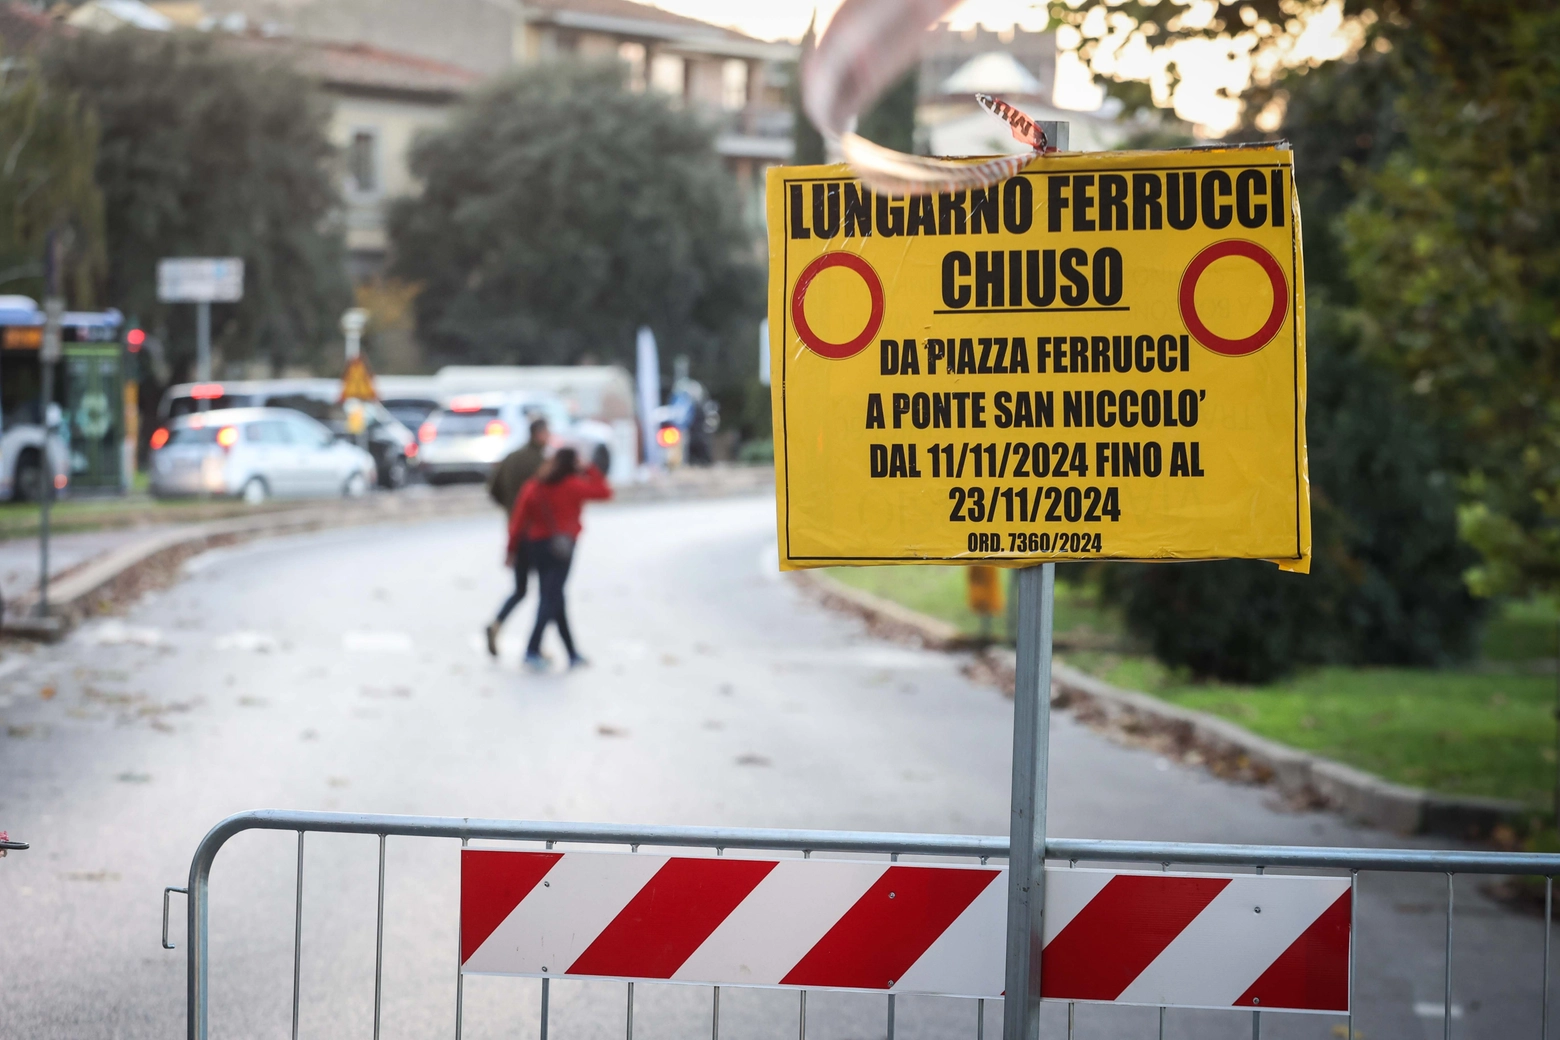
(342, 670)
(19, 556)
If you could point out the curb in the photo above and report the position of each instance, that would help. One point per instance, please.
(1227, 749)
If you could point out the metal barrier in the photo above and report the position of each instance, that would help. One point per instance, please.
(1162, 854)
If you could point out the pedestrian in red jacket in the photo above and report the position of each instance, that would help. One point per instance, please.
(545, 524)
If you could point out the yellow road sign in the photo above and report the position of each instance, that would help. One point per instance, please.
(1103, 357)
(357, 381)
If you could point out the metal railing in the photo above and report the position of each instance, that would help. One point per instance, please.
(807, 842)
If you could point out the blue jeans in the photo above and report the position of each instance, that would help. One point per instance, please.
(522, 572)
(551, 573)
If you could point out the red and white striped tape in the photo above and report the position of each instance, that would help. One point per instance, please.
(1184, 940)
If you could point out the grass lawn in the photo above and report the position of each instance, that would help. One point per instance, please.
(940, 592)
(1462, 732)
(1487, 729)
(20, 519)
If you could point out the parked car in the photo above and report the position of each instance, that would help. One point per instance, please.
(466, 439)
(255, 454)
(392, 443)
(410, 412)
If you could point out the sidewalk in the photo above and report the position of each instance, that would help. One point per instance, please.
(19, 562)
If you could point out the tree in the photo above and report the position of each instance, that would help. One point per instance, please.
(1454, 244)
(46, 184)
(891, 120)
(809, 150)
(208, 151)
(560, 212)
(1386, 578)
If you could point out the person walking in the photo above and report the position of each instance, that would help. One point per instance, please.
(504, 485)
(545, 525)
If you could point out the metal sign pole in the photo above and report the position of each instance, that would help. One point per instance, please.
(1036, 602)
(1031, 757)
(49, 353)
(203, 348)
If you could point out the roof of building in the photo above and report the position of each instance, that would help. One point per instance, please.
(359, 66)
(627, 18)
(995, 72)
(23, 27)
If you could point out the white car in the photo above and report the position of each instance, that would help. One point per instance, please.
(466, 438)
(255, 454)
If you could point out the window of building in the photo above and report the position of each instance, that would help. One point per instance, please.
(363, 161)
(633, 55)
(734, 83)
(669, 74)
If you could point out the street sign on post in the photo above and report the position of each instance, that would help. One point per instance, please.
(201, 281)
(190, 279)
(1101, 358)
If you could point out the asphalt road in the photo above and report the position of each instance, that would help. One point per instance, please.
(344, 670)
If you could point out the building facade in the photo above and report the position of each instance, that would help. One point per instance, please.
(394, 67)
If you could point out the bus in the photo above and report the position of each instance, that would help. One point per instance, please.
(89, 450)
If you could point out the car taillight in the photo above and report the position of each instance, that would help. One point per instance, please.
(427, 432)
(668, 436)
(496, 429)
(159, 437)
(206, 391)
(411, 450)
(227, 437)
(59, 481)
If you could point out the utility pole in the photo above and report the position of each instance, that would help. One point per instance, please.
(48, 356)
(1036, 595)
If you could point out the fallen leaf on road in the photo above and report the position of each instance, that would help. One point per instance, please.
(339, 781)
(47, 693)
(91, 875)
(252, 702)
(603, 730)
(134, 778)
(750, 759)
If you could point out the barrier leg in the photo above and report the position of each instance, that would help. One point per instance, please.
(297, 938)
(379, 939)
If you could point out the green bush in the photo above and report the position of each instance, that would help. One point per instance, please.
(1386, 575)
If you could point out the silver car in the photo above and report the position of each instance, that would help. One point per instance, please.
(255, 454)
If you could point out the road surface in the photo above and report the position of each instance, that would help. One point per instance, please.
(344, 670)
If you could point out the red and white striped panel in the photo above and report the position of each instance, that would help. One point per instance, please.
(1197, 940)
(1186, 940)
